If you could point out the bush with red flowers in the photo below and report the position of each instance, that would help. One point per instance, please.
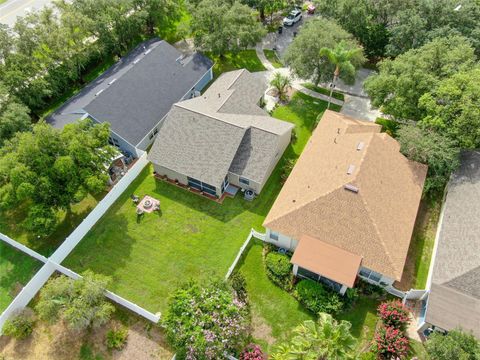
(394, 314)
(390, 343)
(252, 352)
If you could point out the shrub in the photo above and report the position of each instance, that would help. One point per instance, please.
(287, 169)
(457, 344)
(279, 269)
(367, 289)
(316, 298)
(239, 284)
(20, 324)
(252, 352)
(205, 321)
(116, 338)
(394, 314)
(390, 343)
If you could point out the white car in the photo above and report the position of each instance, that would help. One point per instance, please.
(292, 18)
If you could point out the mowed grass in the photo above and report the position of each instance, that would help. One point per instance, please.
(274, 311)
(192, 237)
(245, 59)
(271, 56)
(16, 269)
(11, 224)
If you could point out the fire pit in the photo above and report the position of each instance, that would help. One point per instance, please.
(149, 204)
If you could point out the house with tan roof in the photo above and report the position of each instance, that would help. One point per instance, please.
(349, 206)
(222, 140)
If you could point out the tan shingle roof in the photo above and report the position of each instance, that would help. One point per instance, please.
(328, 260)
(375, 223)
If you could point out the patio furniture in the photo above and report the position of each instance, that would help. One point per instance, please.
(135, 199)
(139, 211)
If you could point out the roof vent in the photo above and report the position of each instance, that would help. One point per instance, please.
(351, 188)
(351, 169)
(112, 81)
(360, 145)
(135, 62)
(98, 93)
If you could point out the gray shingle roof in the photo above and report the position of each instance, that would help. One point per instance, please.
(456, 271)
(147, 82)
(198, 140)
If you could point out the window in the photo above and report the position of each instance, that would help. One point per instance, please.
(113, 141)
(197, 184)
(307, 274)
(274, 235)
(244, 181)
(370, 275)
(150, 136)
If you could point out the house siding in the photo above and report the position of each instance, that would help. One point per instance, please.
(234, 179)
(283, 241)
(171, 174)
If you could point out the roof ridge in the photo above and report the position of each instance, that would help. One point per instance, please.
(240, 72)
(298, 207)
(209, 115)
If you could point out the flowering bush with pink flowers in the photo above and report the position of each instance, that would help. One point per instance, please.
(394, 314)
(206, 321)
(252, 352)
(390, 343)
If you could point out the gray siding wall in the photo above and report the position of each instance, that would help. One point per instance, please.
(234, 180)
(182, 179)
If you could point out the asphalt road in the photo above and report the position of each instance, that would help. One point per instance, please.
(13, 8)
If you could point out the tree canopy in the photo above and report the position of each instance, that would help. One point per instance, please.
(51, 168)
(80, 303)
(439, 152)
(453, 108)
(222, 26)
(14, 116)
(305, 59)
(401, 82)
(455, 345)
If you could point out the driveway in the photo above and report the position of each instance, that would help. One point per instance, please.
(13, 8)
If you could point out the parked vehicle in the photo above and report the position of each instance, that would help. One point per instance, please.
(292, 18)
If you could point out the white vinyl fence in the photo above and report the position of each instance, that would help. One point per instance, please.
(253, 234)
(52, 263)
(77, 235)
(114, 297)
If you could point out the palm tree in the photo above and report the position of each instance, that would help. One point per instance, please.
(341, 57)
(281, 83)
(327, 339)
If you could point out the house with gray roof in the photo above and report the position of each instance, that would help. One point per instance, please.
(221, 138)
(136, 93)
(454, 278)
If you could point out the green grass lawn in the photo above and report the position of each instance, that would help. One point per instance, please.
(336, 95)
(271, 56)
(363, 317)
(193, 237)
(274, 311)
(245, 59)
(16, 268)
(11, 225)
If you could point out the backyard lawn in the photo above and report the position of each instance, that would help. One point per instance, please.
(192, 237)
(271, 56)
(274, 311)
(16, 269)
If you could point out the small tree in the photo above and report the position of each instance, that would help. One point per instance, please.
(281, 83)
(390, 343)
(80, 303)
(206, 321)
(325, 340)
(20, 324)
(341, 56)
(457, 344)
(394, 313)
